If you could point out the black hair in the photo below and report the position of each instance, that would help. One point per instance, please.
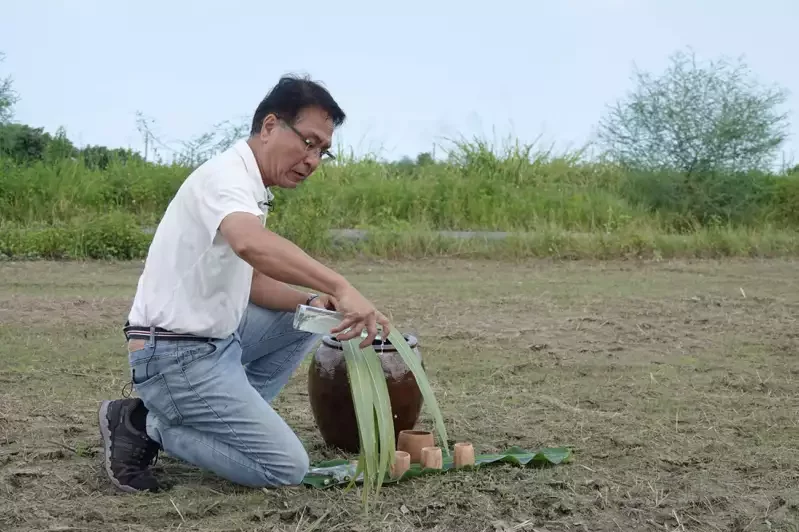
(290, 96)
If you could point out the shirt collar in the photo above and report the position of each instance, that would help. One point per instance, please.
(245, 152)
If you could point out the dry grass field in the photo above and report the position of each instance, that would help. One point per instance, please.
(674, 382)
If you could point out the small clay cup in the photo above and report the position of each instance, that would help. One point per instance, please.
(431, 458)
(402, 462)
(413, 441)
(464, 454)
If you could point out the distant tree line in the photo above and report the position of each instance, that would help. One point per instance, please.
(25, 144)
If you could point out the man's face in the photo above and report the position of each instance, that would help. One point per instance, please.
(287, 155)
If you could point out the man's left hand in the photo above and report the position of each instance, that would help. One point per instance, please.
(325, 301)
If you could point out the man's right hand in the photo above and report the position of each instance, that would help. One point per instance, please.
(359, 313)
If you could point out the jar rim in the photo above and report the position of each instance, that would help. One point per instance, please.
(413, 342)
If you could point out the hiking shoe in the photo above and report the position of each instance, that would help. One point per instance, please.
(129, 452)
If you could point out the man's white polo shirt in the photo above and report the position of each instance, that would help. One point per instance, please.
(192, 281)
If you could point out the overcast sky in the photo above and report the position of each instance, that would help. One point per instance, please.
(408, 75)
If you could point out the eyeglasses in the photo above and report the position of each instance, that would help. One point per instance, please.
(309, 145)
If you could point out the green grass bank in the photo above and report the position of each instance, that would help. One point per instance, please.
(558, 206)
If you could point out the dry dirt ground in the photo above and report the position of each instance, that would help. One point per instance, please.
(674, 383)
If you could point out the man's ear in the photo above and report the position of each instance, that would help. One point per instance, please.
(268, 125)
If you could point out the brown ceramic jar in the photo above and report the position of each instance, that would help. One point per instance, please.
(331, 399)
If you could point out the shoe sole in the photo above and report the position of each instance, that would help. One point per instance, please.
(105, 434)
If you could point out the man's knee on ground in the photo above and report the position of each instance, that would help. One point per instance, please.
(289, 470)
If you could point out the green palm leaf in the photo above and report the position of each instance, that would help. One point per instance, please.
(384, 418)
(363, 400)
(373, 409)
(415, 365)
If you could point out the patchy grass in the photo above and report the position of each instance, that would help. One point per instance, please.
(673, 381)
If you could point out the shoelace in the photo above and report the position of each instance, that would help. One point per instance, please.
(145, 455)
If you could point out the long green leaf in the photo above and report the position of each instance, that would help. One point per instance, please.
(362, 398)
(373, 409)
(385, 420)
(415, 365)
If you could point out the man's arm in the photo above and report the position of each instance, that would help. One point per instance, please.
(282, 260)
(227, 206)
(278, 258)
(269, 293)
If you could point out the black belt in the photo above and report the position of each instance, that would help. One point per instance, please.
(145, 333)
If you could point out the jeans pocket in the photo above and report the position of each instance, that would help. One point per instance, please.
(200, 363)
(197, 352)
(149, 376)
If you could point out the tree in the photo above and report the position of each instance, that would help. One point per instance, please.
(696, 118)
(100, 157)
(199, 149)
(59, 147)
(7, 97)
(23, 143)
(424, 158)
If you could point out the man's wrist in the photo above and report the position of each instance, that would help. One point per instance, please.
(340, 287)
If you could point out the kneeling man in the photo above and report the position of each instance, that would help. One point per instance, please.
(210, 334)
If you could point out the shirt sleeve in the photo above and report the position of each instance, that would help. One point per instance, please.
(221, 195)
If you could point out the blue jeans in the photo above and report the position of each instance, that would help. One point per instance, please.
(208, 401)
